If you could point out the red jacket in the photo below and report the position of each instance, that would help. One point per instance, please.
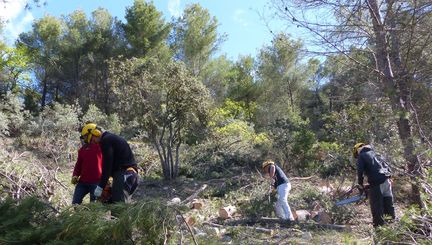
(89, 164)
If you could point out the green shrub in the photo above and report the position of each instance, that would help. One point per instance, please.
(12, 115)
(108, 122)
(306, 196)
(4, 124)
(54, 132)
(147, 159)
(31, 221)
(414, 225)
(293, 145)
(259, 202)
(232, 142)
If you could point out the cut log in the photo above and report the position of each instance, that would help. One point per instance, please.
(190, 221)
(174, 201)
(302, 215)
(324, 218)
(227, 212)
(262, 230)
(197, 204)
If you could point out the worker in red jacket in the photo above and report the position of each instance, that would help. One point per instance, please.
(87, 172)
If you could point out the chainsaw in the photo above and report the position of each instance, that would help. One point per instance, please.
(355, 199)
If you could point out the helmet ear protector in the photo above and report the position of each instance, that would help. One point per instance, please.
(89, 130)
(355, 149)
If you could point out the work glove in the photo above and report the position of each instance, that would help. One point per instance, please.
(74, 180)
(98, 191)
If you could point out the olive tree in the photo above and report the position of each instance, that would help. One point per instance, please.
(164, 99)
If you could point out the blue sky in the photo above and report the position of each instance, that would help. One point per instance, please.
(246, 31)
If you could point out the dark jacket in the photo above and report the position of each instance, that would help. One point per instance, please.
(368, 164)
(117, 155)
(280, 177)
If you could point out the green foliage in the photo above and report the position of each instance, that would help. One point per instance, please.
(147, 158)
(361, 122)
(308, 195)
(220, 156)
(14, 67)
(242, 87)
(42, 46)
(13, 116)
(413, 225)
(293, 143)
(21, 222)
(282, 78)
(57, 120)
(32, 221)
(333, 160)
(259, 202)
(56, 131)
(165, 100)
(231, 142)
(215, 77)
(108, 122)
(145, 29)
(31, 100)
(195, 38)
(4, 124)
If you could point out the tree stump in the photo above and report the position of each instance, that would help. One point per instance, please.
(227, 212)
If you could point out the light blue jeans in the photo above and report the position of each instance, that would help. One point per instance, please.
(282, 207)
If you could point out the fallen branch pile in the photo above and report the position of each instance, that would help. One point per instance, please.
(22, 175)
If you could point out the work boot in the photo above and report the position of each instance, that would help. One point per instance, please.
(389, 207)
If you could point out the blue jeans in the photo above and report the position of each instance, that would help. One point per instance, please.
(81, 190)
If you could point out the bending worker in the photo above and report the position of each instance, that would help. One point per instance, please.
(380, 186)
(117, 161)
(282, 185)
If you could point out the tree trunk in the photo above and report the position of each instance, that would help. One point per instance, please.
(397, 91)
(44, 92)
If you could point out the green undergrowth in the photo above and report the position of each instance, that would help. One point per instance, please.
(31, 221)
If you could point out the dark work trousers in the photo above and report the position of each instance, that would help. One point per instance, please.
(381, 202)
(82, 189)
(118, 186)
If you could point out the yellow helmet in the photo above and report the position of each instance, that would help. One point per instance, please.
(266, 163)
(356, 147)
(90, 129)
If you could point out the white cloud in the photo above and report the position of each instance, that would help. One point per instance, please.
(18, 26)
(10, 9)
(239, 17)
(16, 16)
(174, 8)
